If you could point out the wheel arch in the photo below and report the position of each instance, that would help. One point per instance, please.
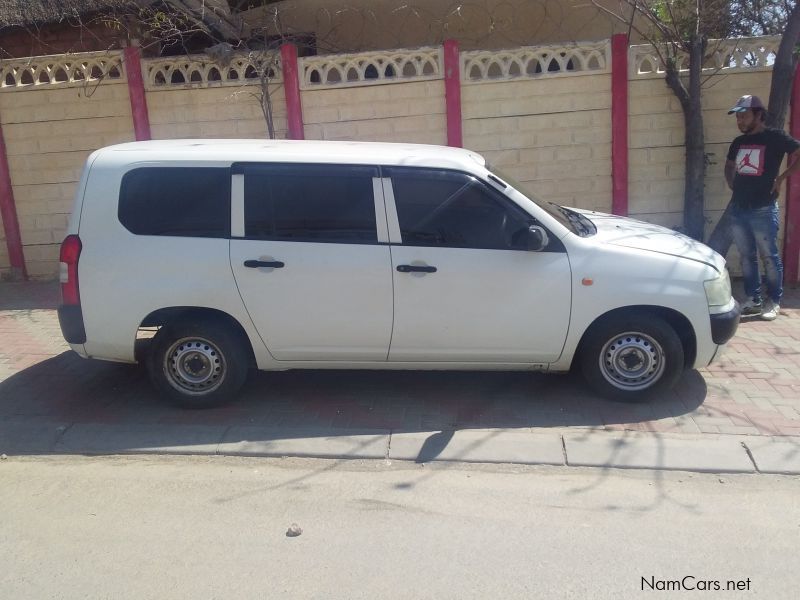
(682, 326)
(163, 316)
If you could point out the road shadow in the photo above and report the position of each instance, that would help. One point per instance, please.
(69, 389)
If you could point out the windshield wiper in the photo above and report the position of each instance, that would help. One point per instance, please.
(583, 226)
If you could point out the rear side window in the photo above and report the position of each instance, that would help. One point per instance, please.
(310, 203)
(176, 201)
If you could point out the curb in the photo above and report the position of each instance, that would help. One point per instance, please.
(599, 449)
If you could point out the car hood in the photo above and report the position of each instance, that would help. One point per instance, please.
(630, 233)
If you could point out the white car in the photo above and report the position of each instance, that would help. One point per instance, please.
(347, 255)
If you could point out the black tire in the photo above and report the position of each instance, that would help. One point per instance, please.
(630, 358)
(197, 363)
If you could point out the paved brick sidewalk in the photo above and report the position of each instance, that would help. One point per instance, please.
(754, 390)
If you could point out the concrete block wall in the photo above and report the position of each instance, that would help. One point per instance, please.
(551, 132)
(392, 112)
(551, 135)
(49, 132)
(213, 112)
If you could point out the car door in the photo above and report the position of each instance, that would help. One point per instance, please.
(465, 287)
(310, 255)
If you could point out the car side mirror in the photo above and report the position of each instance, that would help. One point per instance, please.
(537, 239)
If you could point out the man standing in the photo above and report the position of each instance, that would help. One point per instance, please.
(751, 171)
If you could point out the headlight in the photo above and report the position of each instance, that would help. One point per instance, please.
(718, 293)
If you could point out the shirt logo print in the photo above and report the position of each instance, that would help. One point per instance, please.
(750, 160)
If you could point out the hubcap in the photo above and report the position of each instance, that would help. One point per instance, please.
(632, 361)
(194, 366)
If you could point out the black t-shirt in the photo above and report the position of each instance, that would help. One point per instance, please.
(758, 157)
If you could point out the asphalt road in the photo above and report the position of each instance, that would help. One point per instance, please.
(215, 527)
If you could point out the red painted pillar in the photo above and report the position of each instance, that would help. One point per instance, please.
(791, 242)
(141, 118)
(8, 211)
(291, 87)
(452, 93)
(619, 124)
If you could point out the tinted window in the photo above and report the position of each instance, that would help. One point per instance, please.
(310, 203)
(191, 201)
(443, 208)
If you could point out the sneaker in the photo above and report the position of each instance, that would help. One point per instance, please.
(751, 306)
(771, 311)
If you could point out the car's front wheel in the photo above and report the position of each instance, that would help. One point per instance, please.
(197, 363)
(629, 358)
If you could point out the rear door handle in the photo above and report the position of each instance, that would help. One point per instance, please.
(256, 264)
(415, 269)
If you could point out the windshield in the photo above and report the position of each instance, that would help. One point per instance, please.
(572, 220)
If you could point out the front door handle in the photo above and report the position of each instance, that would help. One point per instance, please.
(416, 269)
(255, 264)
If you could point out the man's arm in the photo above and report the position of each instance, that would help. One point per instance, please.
(730, 172)
(793, 165)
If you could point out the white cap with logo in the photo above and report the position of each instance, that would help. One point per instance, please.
(746, 103)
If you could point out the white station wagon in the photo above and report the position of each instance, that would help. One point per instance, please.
(346, 255)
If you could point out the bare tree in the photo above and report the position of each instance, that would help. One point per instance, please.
(679, 29)
(183, 27)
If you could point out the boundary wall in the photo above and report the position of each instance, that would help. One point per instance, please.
(548, 116)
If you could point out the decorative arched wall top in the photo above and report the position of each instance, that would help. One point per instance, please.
(394, 66)
(534, 61)
(743, 54)
(64, 69)
(368, 68)
(200, 70)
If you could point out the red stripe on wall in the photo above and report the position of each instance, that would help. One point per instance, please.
(791, 245)
(291, 88)
(141, 118)
(619, 124)
(8, 210)
(452, 92)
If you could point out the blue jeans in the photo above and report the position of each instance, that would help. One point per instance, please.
(755, 232)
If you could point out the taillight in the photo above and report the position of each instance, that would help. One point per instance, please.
(70, 253)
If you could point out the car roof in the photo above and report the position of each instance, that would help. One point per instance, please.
(323, 152)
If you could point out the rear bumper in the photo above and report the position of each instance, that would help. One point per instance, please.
(724, 325)
(70, 318)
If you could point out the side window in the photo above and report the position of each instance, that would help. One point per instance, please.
(455, 210)
(312, 203)
(176, 201)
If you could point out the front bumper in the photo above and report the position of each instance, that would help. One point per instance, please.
(724, 325)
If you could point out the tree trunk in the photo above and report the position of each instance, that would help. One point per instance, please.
(265, 74)
(780, 90)
(266, 109)
(695, 161)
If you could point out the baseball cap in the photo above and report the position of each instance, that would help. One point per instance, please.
(745, 103)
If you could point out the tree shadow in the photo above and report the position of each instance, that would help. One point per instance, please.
(69, 389)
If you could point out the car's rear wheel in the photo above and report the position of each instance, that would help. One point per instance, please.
(629, 358)
(197, 363)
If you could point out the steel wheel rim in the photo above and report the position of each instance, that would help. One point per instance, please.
(632, 361)
(194, 366)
